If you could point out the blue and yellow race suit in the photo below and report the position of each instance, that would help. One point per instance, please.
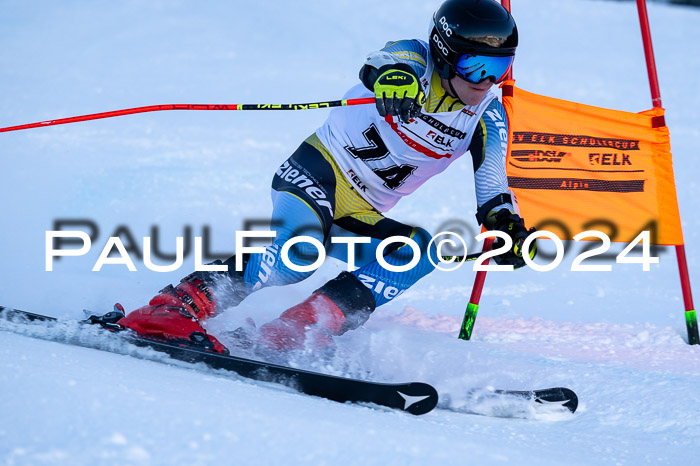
(357, 165)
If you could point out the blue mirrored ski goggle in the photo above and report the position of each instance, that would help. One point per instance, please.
(476, 68)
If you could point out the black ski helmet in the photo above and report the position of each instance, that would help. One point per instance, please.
(481, 27)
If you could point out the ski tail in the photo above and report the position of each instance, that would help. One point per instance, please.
(12, 314)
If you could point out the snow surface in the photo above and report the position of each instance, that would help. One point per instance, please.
(617, 338)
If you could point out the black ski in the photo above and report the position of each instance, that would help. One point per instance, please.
(547, 396)
(414, 397)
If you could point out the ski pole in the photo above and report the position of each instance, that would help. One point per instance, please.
(157, 108)
(468, 257)
(465, 331)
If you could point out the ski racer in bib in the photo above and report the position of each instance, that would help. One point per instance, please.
(433, 104)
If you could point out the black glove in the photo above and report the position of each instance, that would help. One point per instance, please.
(398, 92)
(514, 226)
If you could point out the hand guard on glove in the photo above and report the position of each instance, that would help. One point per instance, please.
(514, 226)
(398, 92)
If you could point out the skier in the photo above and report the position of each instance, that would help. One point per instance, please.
(432, 105)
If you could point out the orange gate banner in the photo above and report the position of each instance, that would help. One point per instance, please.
(575, 167)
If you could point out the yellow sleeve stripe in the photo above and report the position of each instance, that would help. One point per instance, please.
(408, 55)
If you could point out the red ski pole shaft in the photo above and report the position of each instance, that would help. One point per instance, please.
(157, 108)
(465, 331)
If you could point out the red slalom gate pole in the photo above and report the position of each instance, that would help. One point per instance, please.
(465, 331)
(157, 108)
(649, 53)
(691, 320)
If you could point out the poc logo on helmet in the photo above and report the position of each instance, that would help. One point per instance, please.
(438, 43)
(445, 26)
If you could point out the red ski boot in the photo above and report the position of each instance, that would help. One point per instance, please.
(342, 304)
(176, 313)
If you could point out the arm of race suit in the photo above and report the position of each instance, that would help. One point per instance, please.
(393, 74)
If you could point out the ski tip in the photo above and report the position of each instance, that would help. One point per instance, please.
(572, 404)
(562, 395)
(417, 398)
